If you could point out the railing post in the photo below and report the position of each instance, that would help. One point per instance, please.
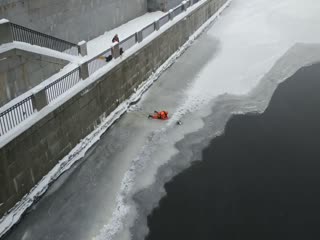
(39, 99)
(139, 37)
(84, 71)
(184, 5)
(156, 25)
(171, 16)
(83, 48)
(6, 35)
(191, 2)
(115, 51)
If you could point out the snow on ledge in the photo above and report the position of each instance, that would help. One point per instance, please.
(39, 50)
(78, 152)
(3, 20)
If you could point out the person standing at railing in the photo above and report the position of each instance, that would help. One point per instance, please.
(115, 39)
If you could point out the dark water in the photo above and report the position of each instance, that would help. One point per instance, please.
(260, 180)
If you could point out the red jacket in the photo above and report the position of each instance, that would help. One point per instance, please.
(163, 115)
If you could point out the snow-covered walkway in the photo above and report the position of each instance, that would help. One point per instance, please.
(104, 41)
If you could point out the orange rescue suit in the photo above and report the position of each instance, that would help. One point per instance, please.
(163, 115)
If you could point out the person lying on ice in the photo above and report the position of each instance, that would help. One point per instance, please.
(163, 115)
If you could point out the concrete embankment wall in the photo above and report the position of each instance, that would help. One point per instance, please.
(72, 20)
(26, 159)
(21, 71)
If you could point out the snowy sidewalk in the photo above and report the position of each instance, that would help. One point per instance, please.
(103, 42)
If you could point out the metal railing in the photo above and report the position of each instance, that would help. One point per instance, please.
(176, 11)
(16, 114)
(128, 42)
(148, 30)
(25, 108)
(99, 61)
(61, 85)
(23, 34)
(163, 20)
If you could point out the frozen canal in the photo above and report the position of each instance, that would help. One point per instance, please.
(234, 67)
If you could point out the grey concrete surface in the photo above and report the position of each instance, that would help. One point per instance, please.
(21, 71)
